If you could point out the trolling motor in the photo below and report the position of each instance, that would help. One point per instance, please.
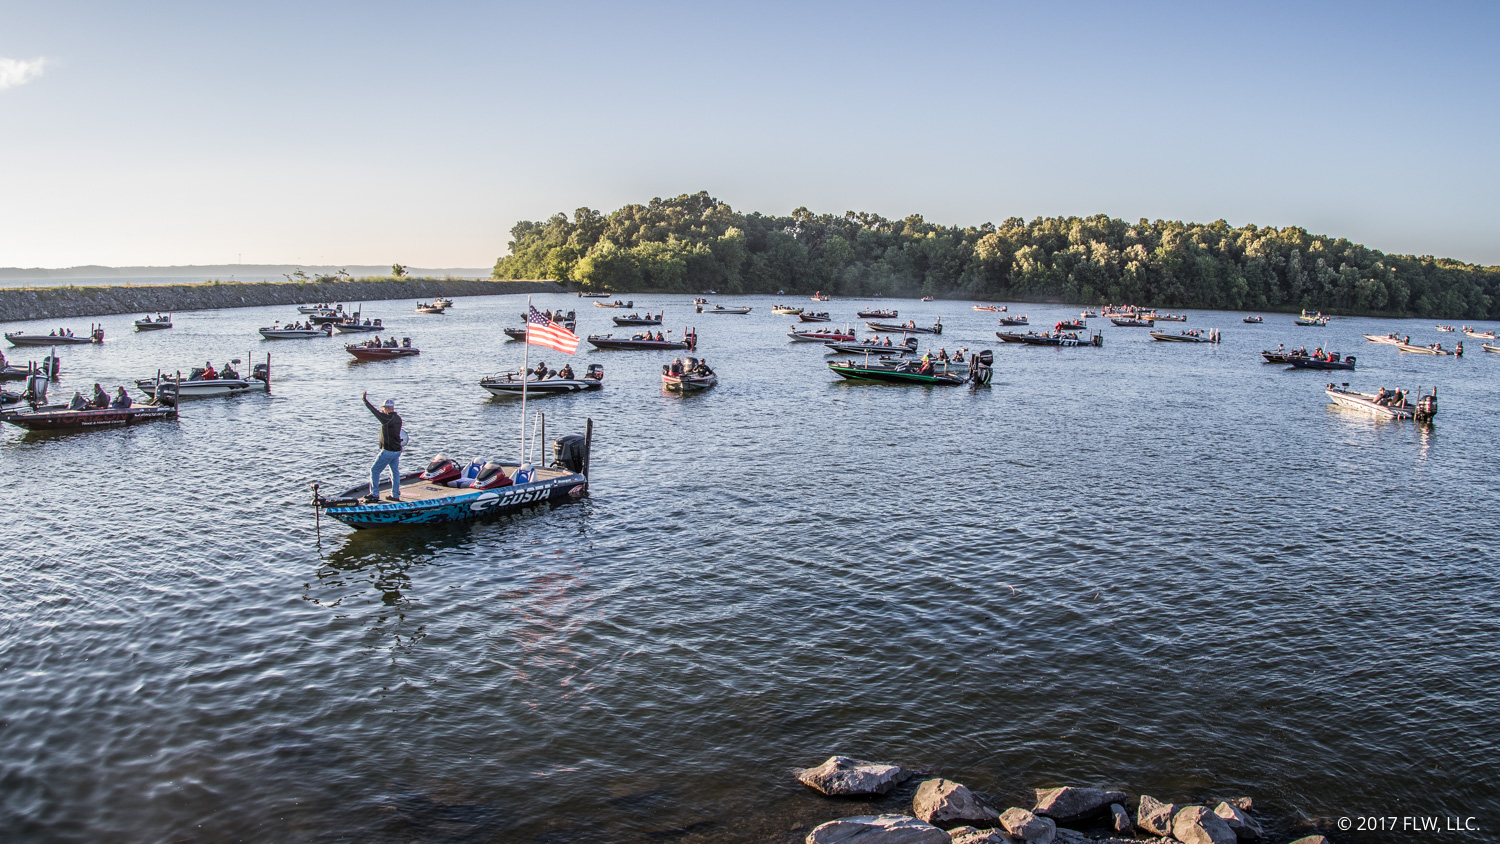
(981, 368)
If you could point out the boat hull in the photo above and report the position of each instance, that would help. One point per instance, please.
(1314, 363)
(340, 328)
(152, 325)
(450, 505)
(661, 345)
(888, 328)
(45, 340)
(688, 383)
(293, 334)
(202, 389)
(548, 386)
(372, 353)
(63, 419)
(886, 375)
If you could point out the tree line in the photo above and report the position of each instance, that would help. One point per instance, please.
(694, 242)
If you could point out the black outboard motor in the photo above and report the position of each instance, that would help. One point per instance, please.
(52, 365)
(568, 453)
(261, 371)
(981, 368)
(911, 343)
(596, 372)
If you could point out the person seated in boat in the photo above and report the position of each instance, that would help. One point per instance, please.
(228, 374)
(540, 372)
(566, 373)
(926, 367)
(78, 402)
(121, 399)
(675, 367)
(702, 368)
(942, 355)
(209, 373)
(911, 323)
(100, 400)
(887, 342)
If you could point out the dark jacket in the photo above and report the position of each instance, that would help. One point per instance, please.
(390, 428)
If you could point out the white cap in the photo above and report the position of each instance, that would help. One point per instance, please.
(390, 403)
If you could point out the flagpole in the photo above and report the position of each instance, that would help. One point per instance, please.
(525, 365)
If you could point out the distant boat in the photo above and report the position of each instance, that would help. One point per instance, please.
(1396, 406)
(149, 324)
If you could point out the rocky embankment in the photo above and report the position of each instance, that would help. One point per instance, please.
(21, 303)
(947, 812)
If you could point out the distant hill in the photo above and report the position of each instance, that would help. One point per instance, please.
(695, 242)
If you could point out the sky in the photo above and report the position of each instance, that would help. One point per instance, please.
(169, 133)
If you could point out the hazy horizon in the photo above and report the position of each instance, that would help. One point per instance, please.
(294, 134)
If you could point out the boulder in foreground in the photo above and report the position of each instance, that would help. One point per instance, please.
(1197, 825)
(841, 776)
(1069, 804)
(946, 804)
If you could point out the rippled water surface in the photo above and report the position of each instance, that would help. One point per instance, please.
(1165, 567)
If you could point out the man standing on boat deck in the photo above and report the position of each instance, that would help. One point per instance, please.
(390, 450)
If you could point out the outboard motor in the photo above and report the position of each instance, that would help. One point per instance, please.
(441, 470)
(1426, 407)
(491, 476)
(568, 452)
(910, 343)
(52, 366)
(981, 368)
(261, 372)
(36, 390)
(596, 372)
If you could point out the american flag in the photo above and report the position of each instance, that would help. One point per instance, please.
(541, 331)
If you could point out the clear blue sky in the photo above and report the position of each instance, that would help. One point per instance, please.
(367, 133)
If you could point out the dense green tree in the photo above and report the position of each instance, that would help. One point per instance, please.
(695, 242)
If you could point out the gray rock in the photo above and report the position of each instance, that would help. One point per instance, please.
(1026, 826)
(1197, 825)
(1244, 804)
(1068, 804)
(970, 835)
(1120, 819)
(1155, 816)
(1071, 836)
(841, 776)
(1245, 828)
(946, 803)
(877, 829)
(1313, 839)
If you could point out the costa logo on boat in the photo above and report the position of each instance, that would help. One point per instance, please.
(512, 496)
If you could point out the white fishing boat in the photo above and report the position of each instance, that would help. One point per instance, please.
(720, 309)
(226, 382)
(289, 332)
(1477, 334)
(687, 376)
(1491, 347)
(822, 335)
(1389, 339)
(1391, 405)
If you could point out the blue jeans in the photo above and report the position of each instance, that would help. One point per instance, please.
(393, 460)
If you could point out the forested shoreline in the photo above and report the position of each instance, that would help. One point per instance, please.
(694, 242)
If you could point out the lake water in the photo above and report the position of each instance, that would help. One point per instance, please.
(1166, 567)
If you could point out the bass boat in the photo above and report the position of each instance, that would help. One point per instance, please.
(909, 328)
(878, 313)
(1434, 349)
(376, 350)
(687, 376)
(1312, 319)
(822, 335)
(1391, 405)
(819, 316)
(785, 310)
(720, 309)
(20, 338)
(637, 319)
(990, 308)
(510, 383)
(1193, 336)
(1067, 340)
(226, 382)
(1389, 339)
(1477, 334)
(1015, 320)
(146, 323)
(1132, 322)
(296, 332)
(441, 493)
(647, 340)
(1327, 362)
(1253, 319)
(425, 308)
(872, 347)
(615, 304)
